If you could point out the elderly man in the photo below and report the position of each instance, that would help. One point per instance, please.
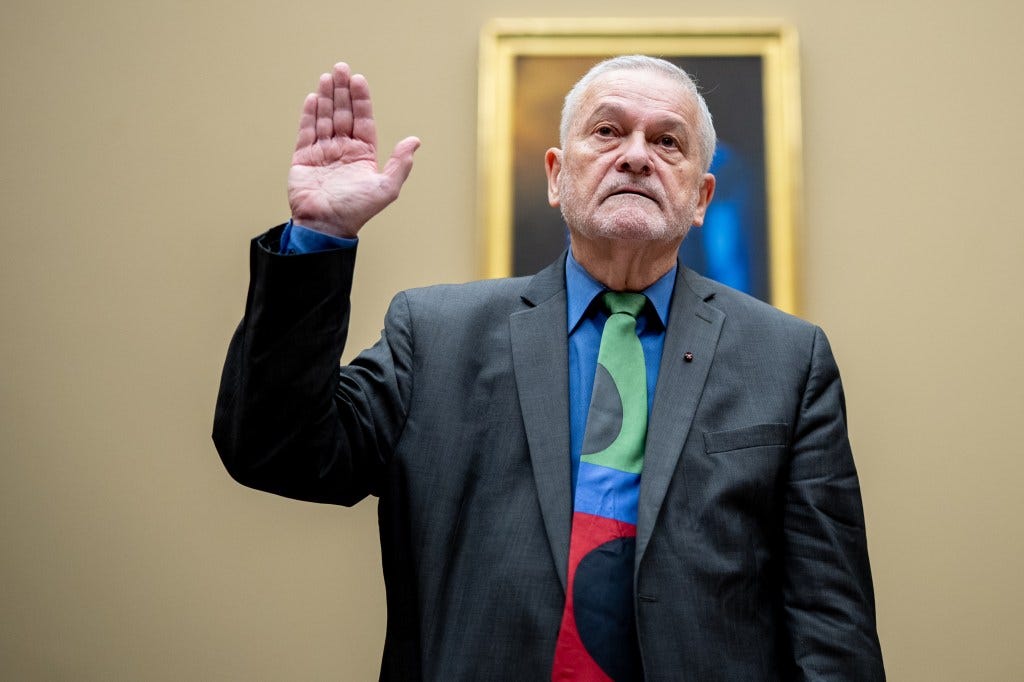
(614, 469)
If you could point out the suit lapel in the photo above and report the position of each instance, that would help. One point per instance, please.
(693, 327)
(541, 364)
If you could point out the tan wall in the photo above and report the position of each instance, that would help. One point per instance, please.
(144, 143)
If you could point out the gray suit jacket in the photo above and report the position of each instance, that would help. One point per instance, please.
(751, 559)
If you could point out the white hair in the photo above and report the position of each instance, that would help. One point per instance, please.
(706, 128)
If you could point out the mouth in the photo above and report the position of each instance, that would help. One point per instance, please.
(632, 191)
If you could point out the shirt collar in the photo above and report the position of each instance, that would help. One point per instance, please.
(581, 289)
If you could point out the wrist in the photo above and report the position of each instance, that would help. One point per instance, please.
(332, 229)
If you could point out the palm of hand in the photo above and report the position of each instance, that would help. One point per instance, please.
(334, 184)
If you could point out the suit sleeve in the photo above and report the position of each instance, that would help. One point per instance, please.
(289, 420)
(828, 594)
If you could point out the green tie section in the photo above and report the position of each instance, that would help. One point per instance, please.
(617, 421)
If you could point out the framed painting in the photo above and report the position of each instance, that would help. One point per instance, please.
(747, 72)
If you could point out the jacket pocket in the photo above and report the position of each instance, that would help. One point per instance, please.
(755, 436)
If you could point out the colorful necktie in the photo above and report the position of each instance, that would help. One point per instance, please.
(597, 638)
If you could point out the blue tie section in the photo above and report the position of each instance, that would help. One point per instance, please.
(606, 492)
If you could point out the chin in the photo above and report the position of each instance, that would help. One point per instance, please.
(625, 224)
(635, 229)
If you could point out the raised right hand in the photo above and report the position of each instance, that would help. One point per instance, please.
(334, 184)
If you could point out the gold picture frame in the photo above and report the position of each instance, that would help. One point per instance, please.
(548, 53)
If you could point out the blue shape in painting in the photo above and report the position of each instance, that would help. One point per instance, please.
(729, 246)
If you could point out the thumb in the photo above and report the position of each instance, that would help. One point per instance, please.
(399, 164)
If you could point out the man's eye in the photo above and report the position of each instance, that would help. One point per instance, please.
(605, 131)
(667, 141)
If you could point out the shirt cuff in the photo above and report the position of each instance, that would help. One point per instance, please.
(296, 239)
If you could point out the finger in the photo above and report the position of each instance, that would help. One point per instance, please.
(342, 100)
(307, 122)
(325, 107)
(363, 126)
(399, 165)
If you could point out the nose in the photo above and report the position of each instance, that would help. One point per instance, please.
(634, 156)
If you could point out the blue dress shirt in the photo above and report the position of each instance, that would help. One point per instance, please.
(585, 323)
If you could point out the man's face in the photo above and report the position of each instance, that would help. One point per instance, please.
(631, 167)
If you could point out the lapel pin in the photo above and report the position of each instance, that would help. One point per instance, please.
(688, 356)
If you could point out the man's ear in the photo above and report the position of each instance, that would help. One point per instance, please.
(706, 192)
(553, 166)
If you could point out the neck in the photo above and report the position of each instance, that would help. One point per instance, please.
(625, 265)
